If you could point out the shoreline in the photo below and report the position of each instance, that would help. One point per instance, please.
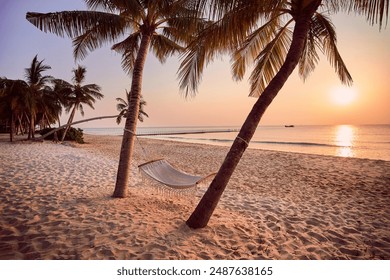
(357, 141)
(227, 147)
(278, 205)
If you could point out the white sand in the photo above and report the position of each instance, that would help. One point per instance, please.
(55, 204)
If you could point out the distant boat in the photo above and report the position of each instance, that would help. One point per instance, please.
(289, 125)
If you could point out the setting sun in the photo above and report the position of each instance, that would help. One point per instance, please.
(343, 95)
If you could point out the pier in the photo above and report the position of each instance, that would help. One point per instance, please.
(178, 132)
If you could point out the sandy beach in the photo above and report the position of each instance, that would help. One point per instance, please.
(55, 203)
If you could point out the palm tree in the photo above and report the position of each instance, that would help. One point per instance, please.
(160, 25)
(292, 33)
(12, 96)
(76, 95)
(37, 84)
(50, 107)
(123, 107)
(61, 92)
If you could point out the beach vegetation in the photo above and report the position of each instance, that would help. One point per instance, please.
(133, 27)
(290, 35)
(73, 134)
(75, 95)
(28, 103)
(123, 107)
(40, 100)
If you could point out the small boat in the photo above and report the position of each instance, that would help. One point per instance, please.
(289, 125)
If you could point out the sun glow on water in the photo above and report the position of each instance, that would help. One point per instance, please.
(345, 137)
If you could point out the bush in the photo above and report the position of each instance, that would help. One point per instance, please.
(74, 134)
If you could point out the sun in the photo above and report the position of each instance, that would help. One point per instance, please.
(343, 95)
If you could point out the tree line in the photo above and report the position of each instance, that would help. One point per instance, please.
(40, 99)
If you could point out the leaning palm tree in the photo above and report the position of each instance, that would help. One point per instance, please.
(77, 94)
(135, 27)
(123, 107)
(291, 35)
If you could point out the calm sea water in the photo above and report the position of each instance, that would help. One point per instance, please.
(366, 141)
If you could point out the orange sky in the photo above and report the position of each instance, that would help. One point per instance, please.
(220, 101)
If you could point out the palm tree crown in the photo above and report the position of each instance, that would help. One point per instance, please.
(34, 74)
(237, 30)
(82, 94)
(123, 107)
(122, 23)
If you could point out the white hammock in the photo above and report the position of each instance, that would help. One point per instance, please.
(161, 171)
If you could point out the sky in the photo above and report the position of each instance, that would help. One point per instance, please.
(220, 101)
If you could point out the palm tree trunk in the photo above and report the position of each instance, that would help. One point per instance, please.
(131, 120)
(204, 210)
(31, 131)
(77, 122)
(19, 128)
(26, 124)
(69, 122)
(12, 130)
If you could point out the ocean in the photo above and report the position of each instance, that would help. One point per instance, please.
(362, 141)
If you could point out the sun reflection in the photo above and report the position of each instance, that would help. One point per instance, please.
(345, 135)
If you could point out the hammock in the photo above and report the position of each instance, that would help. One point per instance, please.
(162, 172)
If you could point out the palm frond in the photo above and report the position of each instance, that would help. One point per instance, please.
(164, 47)
(376, 11)
(214, 39)
(92, 91)
(106, 5)
(34, 72)
(233, 28)
(191, 68)
(133, 10)
(309, 58)
(121, 101)
(181, 28)
(129, 49)
(81, 109)
(61, 83)
(86, 42)
(120, 107)
(252, 46)
(234, 21)
(270, 60)
(326, 37)
(76, 23)
(79, 74)
(216, 9)
(118, 119)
